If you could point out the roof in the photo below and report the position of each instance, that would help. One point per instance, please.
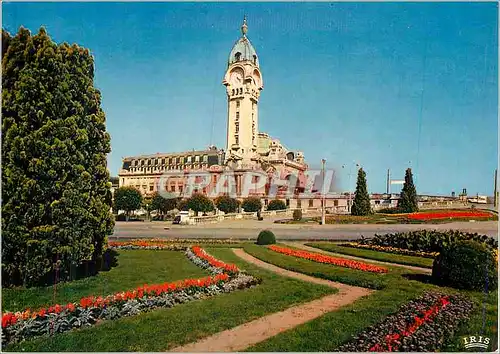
(170, 154)
(243, 49)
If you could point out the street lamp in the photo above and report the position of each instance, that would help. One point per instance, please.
(323, 161)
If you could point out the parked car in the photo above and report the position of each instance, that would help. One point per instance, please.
(177, 220)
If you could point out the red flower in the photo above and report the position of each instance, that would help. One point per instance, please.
(320, 258)
(418, 321)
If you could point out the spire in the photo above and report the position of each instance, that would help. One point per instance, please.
(244, 27)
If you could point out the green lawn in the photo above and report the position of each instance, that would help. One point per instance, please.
(327, 271)
(164, 329)
(376, 255)
(329, 331)
(134, 268)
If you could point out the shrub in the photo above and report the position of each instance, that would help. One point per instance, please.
(276, 205)
(252, 204)
(227, 204)
(297, 214)
(389, 211)
(427, 240)
(466, 265)
(266, 237)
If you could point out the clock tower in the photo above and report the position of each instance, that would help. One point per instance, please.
(243, 82)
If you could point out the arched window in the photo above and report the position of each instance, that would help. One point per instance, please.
(237, 56)
(255, 59)
(241, 90)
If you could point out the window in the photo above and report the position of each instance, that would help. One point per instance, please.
(205, 158)
(163, 161)
(237, 116)
(197, 158)
(189, 159)
(311, 203)
(265, 202)
(299, 203)
(151, 188)
(336, 202)
(236, 141)
(255, 59)
(142, 162)
(241, 90)
(156, 161)
(288, 203)
(238, 104)
(237, 127)
(237, 56)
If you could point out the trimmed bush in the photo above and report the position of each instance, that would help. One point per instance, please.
(266, 237)
(251, 204)
(297, 215)
(276, 205)
(466, 265)
(227, 204)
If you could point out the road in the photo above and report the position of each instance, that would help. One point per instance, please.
(249, 229)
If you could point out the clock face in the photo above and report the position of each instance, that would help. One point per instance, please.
(236, 78)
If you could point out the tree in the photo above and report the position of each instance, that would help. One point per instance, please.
(128, 199)
(361, 204)
(227, 204)
(182, 204)
(55, 202)
(161, 204)
(251, 204)
(276, 205)
(200, 203)
(408, 199)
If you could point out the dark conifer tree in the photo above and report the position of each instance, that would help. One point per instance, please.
(55, 210)
(361, 204)
(408, 200)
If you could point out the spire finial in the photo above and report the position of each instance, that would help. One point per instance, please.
(244, 27)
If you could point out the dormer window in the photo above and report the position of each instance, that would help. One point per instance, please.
(237, 56)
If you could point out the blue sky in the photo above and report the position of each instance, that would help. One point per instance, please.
(389, 85)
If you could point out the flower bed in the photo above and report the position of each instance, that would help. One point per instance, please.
(144, 245)
(198, 240)
(423, 324)
(390, 249)
(88, 311)
(321, 258)
(448, 214)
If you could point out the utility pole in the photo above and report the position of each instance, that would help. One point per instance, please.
(388, 190)
(323, 161)
(495, 190)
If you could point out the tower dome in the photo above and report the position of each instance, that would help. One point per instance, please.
(243, 50)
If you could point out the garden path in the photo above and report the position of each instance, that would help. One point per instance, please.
(318, 250)
(241, 337)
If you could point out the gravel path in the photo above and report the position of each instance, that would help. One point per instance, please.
(253, 332)
(367, 260)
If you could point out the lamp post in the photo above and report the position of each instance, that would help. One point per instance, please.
(323, 161)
